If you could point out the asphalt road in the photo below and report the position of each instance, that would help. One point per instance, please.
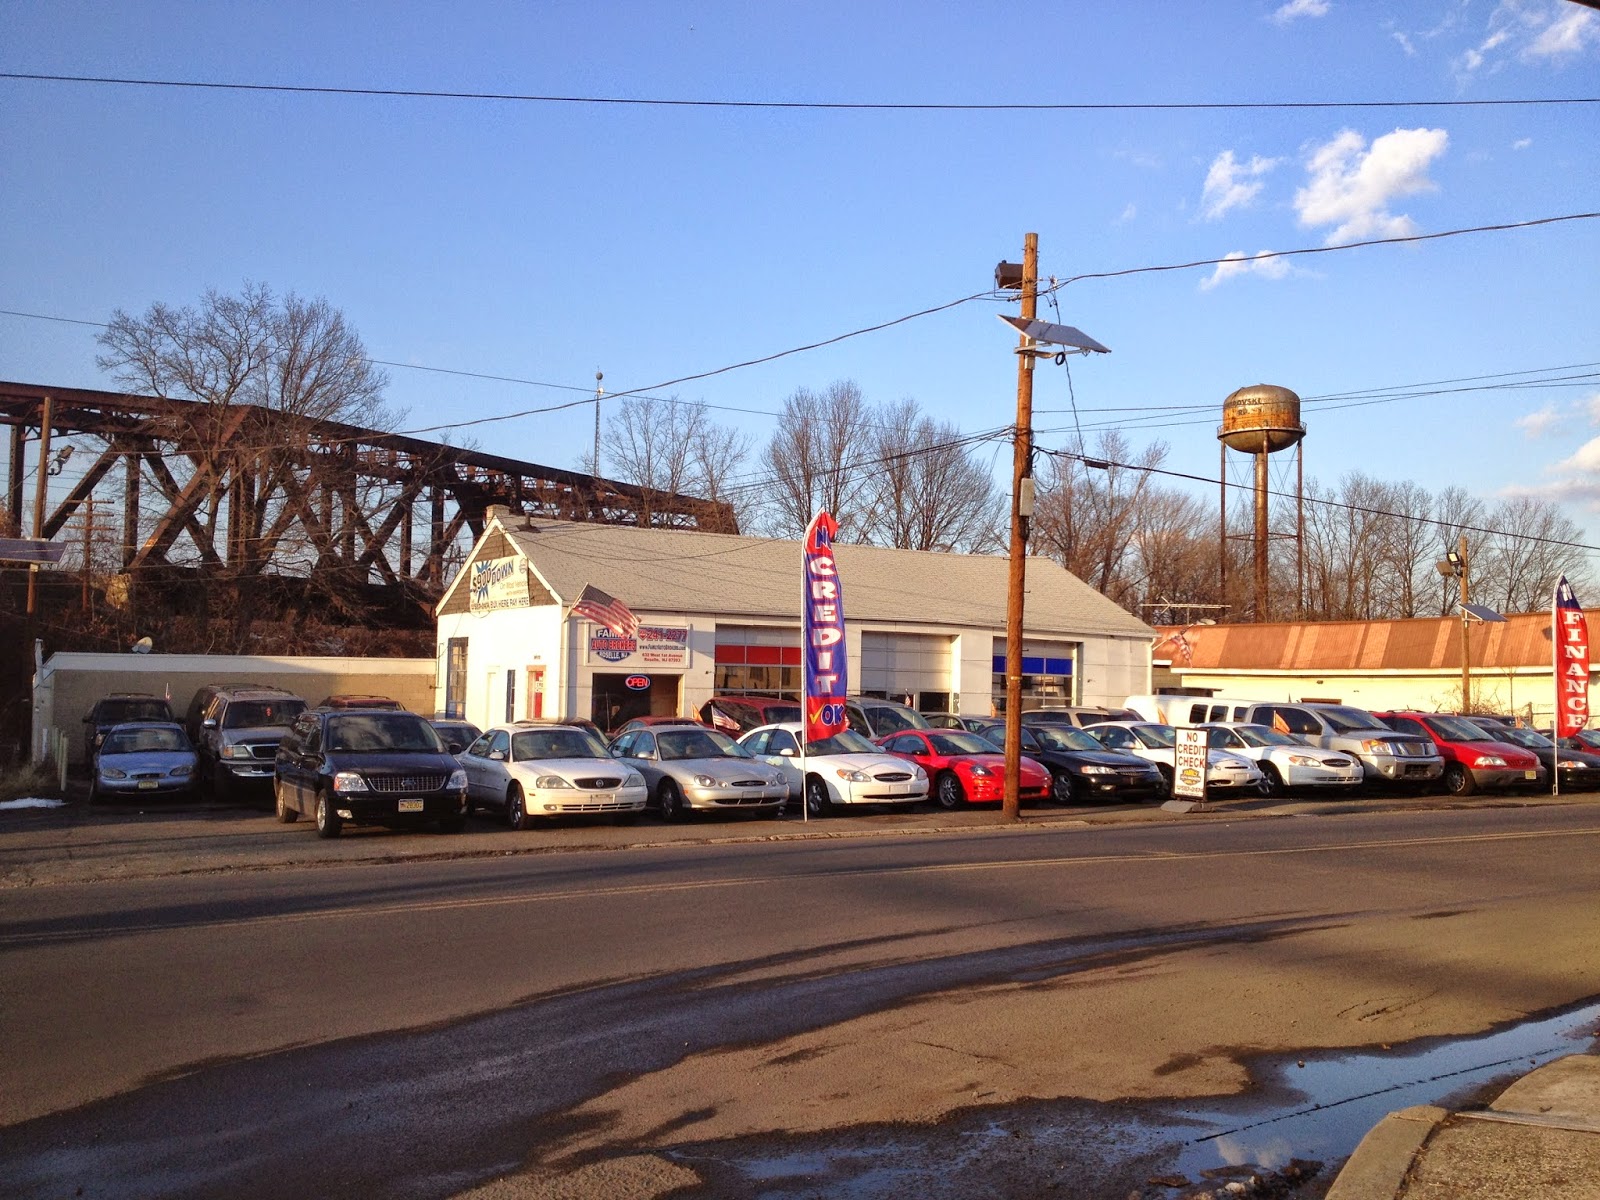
(422, 1028)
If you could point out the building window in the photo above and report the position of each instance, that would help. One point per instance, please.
(455, 677)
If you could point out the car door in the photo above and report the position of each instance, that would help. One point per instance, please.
(304, 738)
(783, 752)
(642, 757)
(475, 761)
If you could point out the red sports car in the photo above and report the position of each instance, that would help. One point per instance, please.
(963, 768)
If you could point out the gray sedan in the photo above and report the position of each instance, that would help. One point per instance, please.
(688, 768)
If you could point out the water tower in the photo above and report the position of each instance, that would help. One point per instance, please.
(1261, 420)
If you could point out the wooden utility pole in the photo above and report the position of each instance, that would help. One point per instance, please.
(1466, 617)
(39, 494)
(1021, 500)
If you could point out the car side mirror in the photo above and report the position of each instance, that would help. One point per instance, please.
(786, 752)
(497, 755)
(209, 723)
(454, 747)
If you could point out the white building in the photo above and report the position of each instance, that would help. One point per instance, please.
(720, 613)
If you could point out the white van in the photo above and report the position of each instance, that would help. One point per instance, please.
(1189, 710)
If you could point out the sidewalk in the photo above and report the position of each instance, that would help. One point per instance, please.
(1539, 1141)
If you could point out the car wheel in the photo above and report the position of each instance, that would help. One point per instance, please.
(285, 814)
(818, 802)
(671, 801)
(1458, 780)
(1271, 781)
(1061, 787)
(328, 823)
(516, 808)
(949, 793)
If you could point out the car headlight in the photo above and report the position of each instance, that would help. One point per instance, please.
(181, 770)
(1378, 746)
(633, 779)
(1305, 760)
(917, 772)
(982, 772)
(1488, 760)
(853, 776)
(706, 781)
(236, 752)
(458, 780)
(777, 780)
(349, 781)
(112, 773)
(1098, 769)
(547, 782)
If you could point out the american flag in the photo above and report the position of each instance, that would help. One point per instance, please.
(606, 610)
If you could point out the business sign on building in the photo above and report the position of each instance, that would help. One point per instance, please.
(656, 646)
(498, 583)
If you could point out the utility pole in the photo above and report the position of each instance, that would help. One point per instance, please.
(598, 392)
(39, 494)
(1466, 617)
(1021, 510)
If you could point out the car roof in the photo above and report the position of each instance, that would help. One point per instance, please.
(178, 725)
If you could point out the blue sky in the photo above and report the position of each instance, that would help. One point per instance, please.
(545, 241)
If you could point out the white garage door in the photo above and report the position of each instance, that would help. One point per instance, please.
(912, 667)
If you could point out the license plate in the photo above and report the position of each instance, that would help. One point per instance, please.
(1530, 774)
(150, 785)
(603, 797)
(411, 806)
(752, 794)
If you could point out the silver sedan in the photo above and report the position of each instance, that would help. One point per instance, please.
(689, 769)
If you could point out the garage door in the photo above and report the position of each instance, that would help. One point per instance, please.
(910, 667)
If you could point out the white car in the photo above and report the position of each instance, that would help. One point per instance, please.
(533, 770)
(845, 769)
(1155, 743)
(1287, 763)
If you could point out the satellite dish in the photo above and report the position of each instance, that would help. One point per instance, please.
(143, 646)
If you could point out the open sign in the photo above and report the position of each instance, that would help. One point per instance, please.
(637, 683)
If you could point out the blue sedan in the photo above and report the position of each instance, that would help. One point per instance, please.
(144, 758)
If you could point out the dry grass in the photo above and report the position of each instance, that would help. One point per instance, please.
(29, 780)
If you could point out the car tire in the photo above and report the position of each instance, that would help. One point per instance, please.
(818, 802)
(948, 793)
(1061, 787)
(516, 808)
(1271, 781)
(1458, 780)
(671, 801)
(328, 823)
(285, 814)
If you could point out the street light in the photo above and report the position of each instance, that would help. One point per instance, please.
(1032, 334)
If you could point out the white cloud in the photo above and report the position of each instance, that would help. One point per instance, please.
(1265, 264)
(1535, 32)
(1587, 458)
(1229, 185)
(1540, 421)
(1129, 212)
(1591, 406)
(1295, 9)
(1351, 185)
(1522, 143)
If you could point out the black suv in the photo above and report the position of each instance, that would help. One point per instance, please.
(115, 709)
(367, 767)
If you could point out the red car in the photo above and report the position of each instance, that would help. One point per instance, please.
(1474, 758)
(963, 768)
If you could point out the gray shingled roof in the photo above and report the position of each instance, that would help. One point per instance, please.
(685, 571)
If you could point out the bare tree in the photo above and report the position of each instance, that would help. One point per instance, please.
(1530, 549)
(672, 446)
(930, 492)
(261, 371)
(1089, 518)
(820, 458)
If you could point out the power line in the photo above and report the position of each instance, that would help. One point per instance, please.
(791, 105)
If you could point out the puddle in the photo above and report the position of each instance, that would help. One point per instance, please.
(1333, 1102)
(1319, 1111)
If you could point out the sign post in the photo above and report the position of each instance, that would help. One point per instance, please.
(1189, 761)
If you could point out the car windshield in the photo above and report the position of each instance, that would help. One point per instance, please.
(1459, 729)
(697, 743)
(562, 742)
(1261, 735)
(1348, 720)
(959, 743)
(845, 742)
(891, 718)
(115, 712)
(135, 741)
(1157, 737)
(1525, 737)
(259, 714)
(381, 733)
(1061, 737)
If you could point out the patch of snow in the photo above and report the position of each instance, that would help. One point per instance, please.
(31, 802)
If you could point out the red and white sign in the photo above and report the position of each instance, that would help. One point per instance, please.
(1570, 633)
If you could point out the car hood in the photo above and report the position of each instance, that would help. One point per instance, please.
(1103, 758)
(391, 762)
(871, 763)
(148, 760)
(719, 766)
(569, 768)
